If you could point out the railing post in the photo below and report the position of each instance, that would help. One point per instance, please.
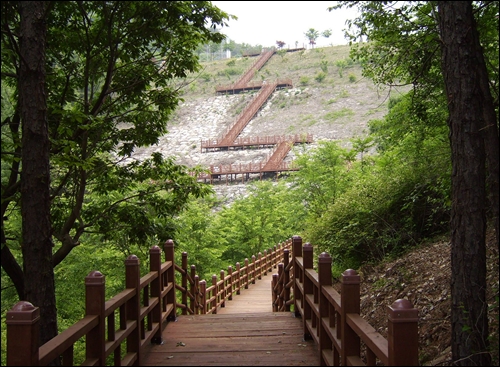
(263, 263)
(170, 278)
(286, 278)
(203, 301)
(296, 252)
(325, 279)
(197, 295)
(132, 280)
(184, 265)
(307, 250)
(247, 274)
(193, 301)
(281, 270)
(259, 273)
(253, 269)
(238, 276)
(274, 291)
(402, 333)
(231, 283)
(94, 305)
(214, 294)
(223, 290)
(350, 342)
(156, 288)
(23, 334)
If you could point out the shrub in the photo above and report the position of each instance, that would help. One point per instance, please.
(320, 77)
(352, 78)
(304, 80)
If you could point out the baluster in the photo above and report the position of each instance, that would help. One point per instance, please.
(350, 304)
(198, 297)
(325, 279)
(238, 277)
(263, 264)
(247, 274)
(193, 301)
(402, 333)
(203, 291)
(296, 252)
(286, 278)
(23, 334)
(259, 271)
(214, 294)
(222, 290)
(307, 250)
(253, 269)
(170, 275)
(231, 283)
(133, 305)
(184, 265)
(156, 288)
(280, 286)
(274, 284)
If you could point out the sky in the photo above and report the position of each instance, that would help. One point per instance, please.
(265, 22)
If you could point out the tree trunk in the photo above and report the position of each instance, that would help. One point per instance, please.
(35, 200)
(461, 64)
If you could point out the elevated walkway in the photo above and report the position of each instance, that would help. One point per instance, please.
(243, 83)
(246, 332)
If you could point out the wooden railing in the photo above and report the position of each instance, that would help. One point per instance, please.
(333, 320)
(116, 331)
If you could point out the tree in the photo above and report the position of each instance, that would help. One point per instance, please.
(405, 45)
(35, 200)
(280, 44)
(114, 76)
(472, 121)
(312, 34)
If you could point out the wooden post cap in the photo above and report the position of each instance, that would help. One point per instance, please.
(132, 260)
(324, 258)
(94, 278)
(23, 312)
(350, 276)
(154, 249)
(307, 247)
(402, 310)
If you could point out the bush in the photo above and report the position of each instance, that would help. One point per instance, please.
(304, 80)
(352, 78)
(320, 77)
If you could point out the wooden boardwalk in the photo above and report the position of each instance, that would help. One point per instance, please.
(244, 333)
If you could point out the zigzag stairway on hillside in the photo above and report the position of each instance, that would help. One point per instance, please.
(229, 138)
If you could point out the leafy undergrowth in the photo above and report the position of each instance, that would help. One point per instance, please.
(423, 277)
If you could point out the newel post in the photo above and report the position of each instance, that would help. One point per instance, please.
(402, 333)
(296, 252)
(325, 280)
(222, 290)
(274, 286)
(170, 278)
(263, 263)
(156, 288)
(350, 304)
(307, 283)
(247, 274)
(23, 334)
(133, 305)
(94, 305)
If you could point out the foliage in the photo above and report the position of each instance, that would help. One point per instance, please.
(270, 214)
(114, 75)
(312, 35)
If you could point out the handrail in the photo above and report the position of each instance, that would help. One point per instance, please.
(333, 321)
(143, 309)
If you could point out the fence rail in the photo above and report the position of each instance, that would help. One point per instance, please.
(143, 309)
(333, 319)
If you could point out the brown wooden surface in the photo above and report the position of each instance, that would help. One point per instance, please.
(244, 333)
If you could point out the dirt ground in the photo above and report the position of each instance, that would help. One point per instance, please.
(423, 277)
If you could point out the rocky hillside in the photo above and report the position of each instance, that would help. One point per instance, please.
(329, 99)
